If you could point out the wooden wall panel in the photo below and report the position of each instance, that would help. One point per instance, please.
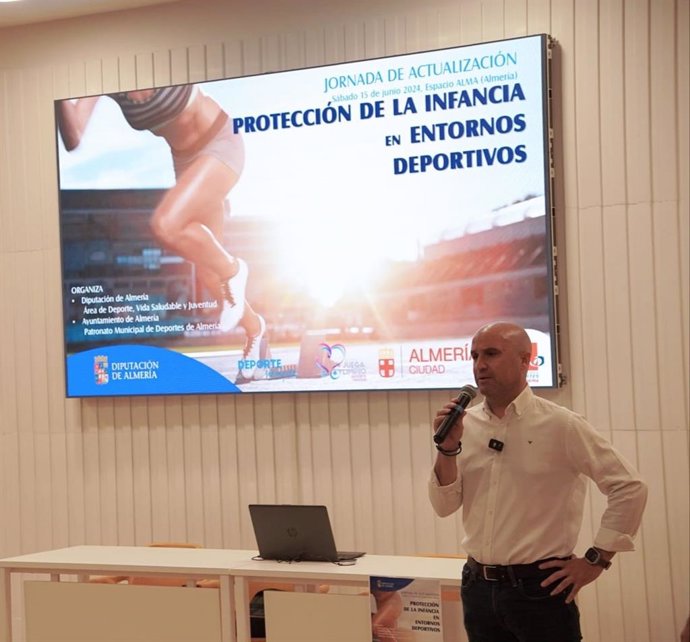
(643, 316)
(233, 59)
(683, 152)
(594, 323)
(663, 112)
(656, 532)
(285, 439)
(470, 22)
(21, 269)
(141, 471)
(667, 269)
(515, 20)
(355, 48)
(175, 429)
(402, 483)
(16, 228)
(364, 458)
(8, 382)
(618, 346)
(143, 72)
(197, 64)
(540, 13)
(192, 480)
(158, 439)
(110, 77)
(265, 457)
(231, 479)
(588, 145)
(123, 473)
(56, 479)
(161, 70)
(91, 478)
(612, 102)
(340, 467)
(382, 489)
(492, 21)
(675, 445)
(131, 471)
(215, 61)
(104, 437)
(209, 473)
(13, 531)
(637, 99)
(44, 516)
(6, 220)
(294, 50)
(179, 65)
(26, 488)
(634, 626)
(127, 71)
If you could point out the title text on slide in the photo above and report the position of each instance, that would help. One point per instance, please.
(492, 95)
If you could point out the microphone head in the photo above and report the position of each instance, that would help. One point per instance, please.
(468, 390)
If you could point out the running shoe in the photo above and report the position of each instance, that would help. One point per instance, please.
(233, 297)
(255, 351)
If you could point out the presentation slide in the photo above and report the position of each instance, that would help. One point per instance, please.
(345, 227)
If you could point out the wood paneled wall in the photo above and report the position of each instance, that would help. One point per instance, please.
(129, 471)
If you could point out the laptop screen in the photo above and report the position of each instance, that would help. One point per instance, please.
(292, 532)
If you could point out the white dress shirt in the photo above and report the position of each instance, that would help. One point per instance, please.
(525, 503)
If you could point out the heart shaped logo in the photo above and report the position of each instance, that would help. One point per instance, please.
(330, 358)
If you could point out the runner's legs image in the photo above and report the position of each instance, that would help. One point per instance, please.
(208, 159)
(189, 221)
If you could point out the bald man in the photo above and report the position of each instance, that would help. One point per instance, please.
(517, 465)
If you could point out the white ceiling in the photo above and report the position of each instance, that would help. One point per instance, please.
(28, 11)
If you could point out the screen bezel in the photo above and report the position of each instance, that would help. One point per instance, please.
(546, 44)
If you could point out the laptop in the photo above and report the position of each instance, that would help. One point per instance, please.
(289, 532)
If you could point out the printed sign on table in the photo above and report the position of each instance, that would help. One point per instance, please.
(405, 610)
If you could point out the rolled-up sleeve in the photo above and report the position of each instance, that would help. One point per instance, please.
(445, 499)
(625, 491)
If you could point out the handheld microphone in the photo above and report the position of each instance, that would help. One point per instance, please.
(466, 394)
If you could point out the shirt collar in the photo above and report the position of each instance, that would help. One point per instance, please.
(522, 401)
(517, 406)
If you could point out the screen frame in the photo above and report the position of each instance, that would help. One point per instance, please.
(546, 48)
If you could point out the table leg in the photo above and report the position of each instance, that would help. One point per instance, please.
(227, 610)
(242, 609)
(5, 605)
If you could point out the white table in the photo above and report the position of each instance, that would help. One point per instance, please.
(446, 571)
(82, 561)
(233, 569)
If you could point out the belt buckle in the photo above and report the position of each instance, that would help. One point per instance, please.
(487, 576)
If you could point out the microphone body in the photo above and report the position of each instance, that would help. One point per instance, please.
(465, 396)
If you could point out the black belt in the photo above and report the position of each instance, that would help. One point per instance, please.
(512, 573)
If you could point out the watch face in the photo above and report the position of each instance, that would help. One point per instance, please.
(592, 555)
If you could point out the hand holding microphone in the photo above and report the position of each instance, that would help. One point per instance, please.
(465, 396)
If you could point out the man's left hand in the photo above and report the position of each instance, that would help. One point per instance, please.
(574, 573)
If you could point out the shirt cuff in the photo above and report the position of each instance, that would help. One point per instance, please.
(613, 541)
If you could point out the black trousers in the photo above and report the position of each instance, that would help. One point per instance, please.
(516, 610)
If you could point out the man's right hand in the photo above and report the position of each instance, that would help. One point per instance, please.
(446, 467)
(455, 433)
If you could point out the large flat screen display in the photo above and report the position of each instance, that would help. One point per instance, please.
(345, 227)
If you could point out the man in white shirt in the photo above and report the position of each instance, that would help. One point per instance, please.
(517, 465)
